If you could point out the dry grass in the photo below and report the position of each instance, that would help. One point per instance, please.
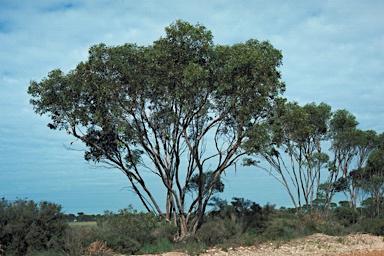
(83, 224)
(98, 248)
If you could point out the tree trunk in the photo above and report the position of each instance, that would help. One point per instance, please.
(184, 232)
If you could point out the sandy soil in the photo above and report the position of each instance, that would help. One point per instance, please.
(314, 245)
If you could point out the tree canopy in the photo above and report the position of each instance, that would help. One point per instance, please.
(302, 143)
(294, 149)
(182, 109)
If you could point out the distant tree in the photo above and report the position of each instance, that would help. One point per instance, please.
(351, 184)
(294, 151)
(175, 109)
(247, 215)
(342, 135)
(70, 217)
(322, 203)
(373, 179)
(351, 148)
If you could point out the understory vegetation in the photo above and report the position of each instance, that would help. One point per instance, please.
(29, 228)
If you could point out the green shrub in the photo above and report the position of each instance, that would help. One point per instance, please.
(333, 228)
(281, 229)
(248, 239)
(217, 231)
(287, 226)
(128, 230)
(373, 226)
(78, 239)
(193, 246)
(160, 246)
(165, 231)
(212, 232)
(310, 223)
(122, 244)
(345, 215)
(27, 227)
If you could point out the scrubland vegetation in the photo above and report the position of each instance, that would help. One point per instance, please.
(29, 228)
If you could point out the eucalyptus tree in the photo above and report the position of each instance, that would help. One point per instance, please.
(366, 142)
(351, 148)
(179, 109)
(343, 147)
(372, 179)
(294, 152)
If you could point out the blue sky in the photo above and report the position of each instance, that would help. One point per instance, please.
(333, 53)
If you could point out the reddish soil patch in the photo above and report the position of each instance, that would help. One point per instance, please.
(371, 253)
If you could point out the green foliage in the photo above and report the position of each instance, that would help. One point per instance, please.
(27, 227)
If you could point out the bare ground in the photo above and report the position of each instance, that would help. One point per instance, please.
(316, 245)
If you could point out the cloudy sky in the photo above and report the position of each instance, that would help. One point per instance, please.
(333, 53)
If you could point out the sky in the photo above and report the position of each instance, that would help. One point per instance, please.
(333, 53)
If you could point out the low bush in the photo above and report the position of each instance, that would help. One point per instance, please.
(78, 239)
(128, 230)
(281, 229)
(165, 231)
(346, 215)
(98, 248)
(372, 226)
(217, 231)
(192, 246)
(159, 246)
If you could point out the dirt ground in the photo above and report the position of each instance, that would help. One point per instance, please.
(314, 245)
